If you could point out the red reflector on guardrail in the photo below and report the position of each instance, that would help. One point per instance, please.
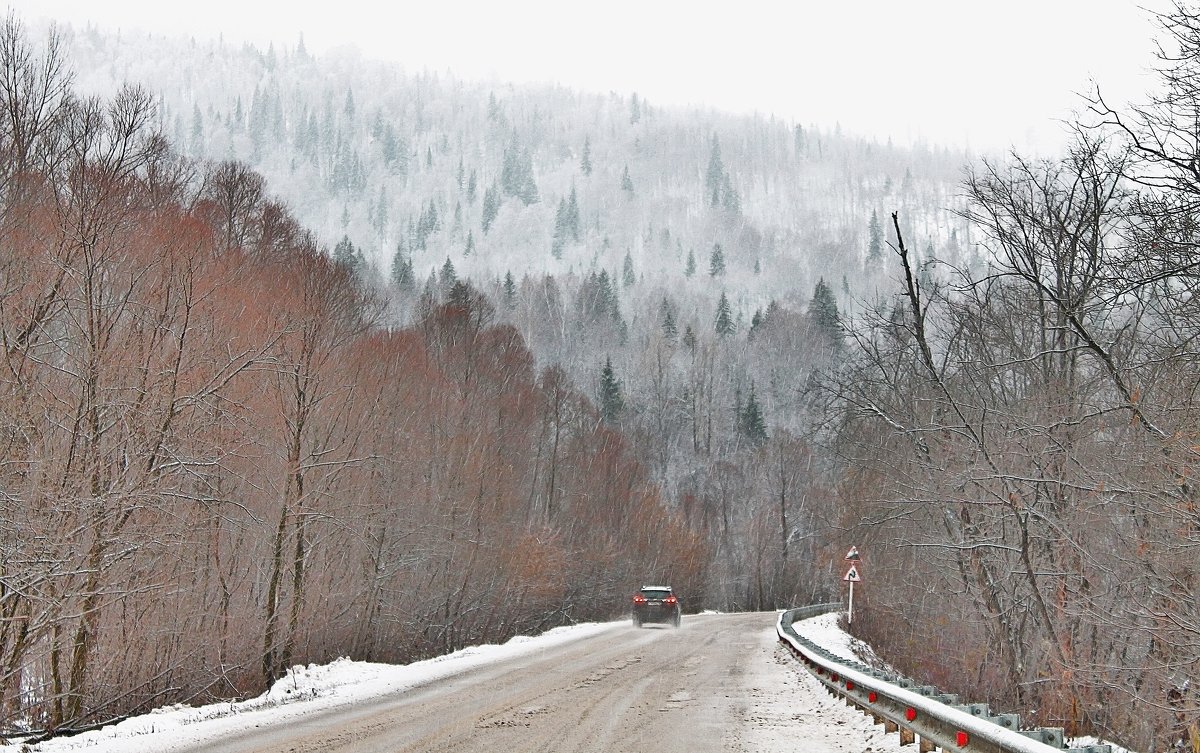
(910, 713)
(849, 685)
(871, 697)
(962, 739)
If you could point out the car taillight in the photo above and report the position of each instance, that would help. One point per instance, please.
(639, 599)
(671, 600)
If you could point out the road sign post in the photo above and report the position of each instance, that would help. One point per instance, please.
(852, 577)
(850, 607)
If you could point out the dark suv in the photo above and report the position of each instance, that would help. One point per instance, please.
(656, 604)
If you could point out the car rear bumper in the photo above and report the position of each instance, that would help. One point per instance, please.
(653, 614)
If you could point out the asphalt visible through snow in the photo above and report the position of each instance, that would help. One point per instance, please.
(718, 683)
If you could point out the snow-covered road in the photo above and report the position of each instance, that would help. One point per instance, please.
(719, 683)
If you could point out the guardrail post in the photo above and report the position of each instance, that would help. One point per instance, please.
(926, 746)
(907, 736)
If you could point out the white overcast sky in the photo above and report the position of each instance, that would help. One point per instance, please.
(988, 75)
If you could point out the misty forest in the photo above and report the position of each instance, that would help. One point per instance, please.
(307, 357)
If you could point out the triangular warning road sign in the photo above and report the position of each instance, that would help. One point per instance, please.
(852, 575)
(853, 554)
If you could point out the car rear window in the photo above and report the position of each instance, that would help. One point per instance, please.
(654, 593)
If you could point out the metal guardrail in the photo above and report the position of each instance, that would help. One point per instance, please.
(917, 712)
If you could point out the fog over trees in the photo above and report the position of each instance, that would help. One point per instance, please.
(312, 357)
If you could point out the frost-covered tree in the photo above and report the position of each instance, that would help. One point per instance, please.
(448, 276)
(689, 337)
(714, 178)
(516, 173)
(491, 207)
(402, 271)
(585, 162)
(724, 321)
(561, 230)
(823, 312)
(875, 238)
(345, 254)
(716, 261)
(751, 423)
(573, 221)
(510, 290)
(666, 318)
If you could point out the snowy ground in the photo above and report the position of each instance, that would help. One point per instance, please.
(304, 690)
(789, 706)
(776, 705)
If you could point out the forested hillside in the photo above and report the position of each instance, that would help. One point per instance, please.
(688, 270)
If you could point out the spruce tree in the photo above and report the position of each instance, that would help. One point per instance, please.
(510, 290)
(516, 173)
(460, 295)
(714, 178)
(573, 220)
(689, 269)
(402, 271)
(823, 312)
(730, 200)
(606, 293)
(448, 276)
(561, 230)
(585, 162)
(611, 401)
(875, 241)
(756, 323)
(724, 321)
(511, 174)
(529, 191)
(666, 316)
(345, 254)
(197, 128)
(716, 261)
(751, 421)
(470, 249)
(491, 207)
(626, 181)
(628, 277)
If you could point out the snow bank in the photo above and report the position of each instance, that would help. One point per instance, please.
(304, 690)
